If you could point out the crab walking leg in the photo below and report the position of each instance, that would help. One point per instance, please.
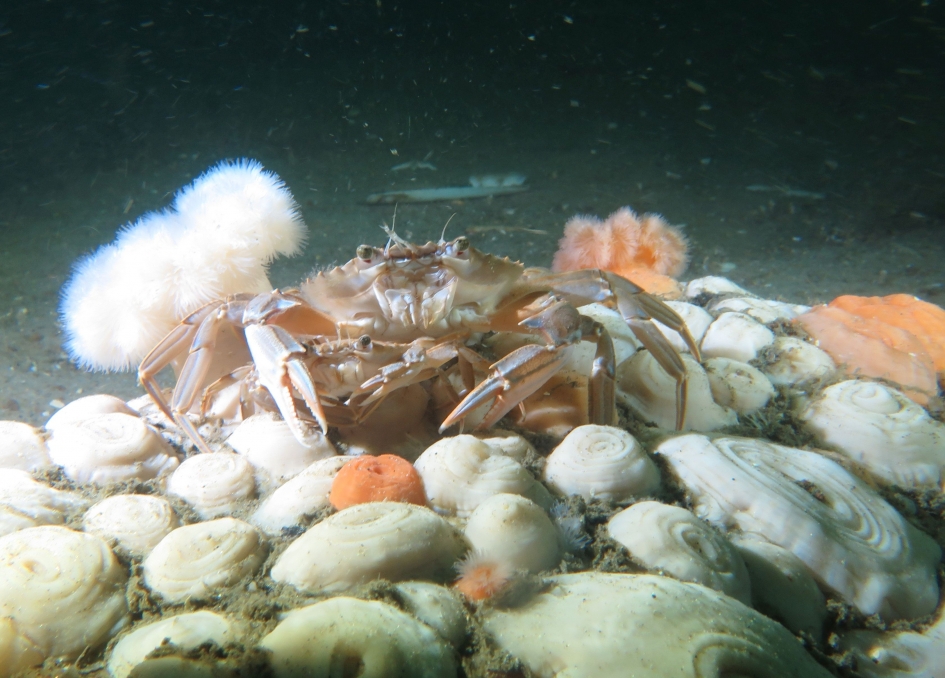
(602, 391)
(513, 378)
(279, 367)
(199, 331)
(420, 361)
(178, 340)
(638, 309)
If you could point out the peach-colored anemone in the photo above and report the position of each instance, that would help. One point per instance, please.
(625, 244)
(873, 348)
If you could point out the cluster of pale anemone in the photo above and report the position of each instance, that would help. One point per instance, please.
(764, 527)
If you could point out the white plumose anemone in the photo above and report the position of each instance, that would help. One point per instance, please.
(791, 361)
(738, 385)
(697, 319)
(87, 407)
(302, 496)
(217, 238)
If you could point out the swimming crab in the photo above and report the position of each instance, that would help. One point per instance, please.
(347, 338)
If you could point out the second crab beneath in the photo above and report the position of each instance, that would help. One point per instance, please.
(331, 351)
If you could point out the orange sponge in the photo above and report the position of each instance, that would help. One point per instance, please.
(383, 478)
(924, 320)
(873, 348)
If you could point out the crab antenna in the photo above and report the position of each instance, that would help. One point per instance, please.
(443, 234)
(391, 235)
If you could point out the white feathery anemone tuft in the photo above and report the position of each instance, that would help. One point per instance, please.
(217, 238)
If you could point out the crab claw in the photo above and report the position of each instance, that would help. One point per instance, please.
(280, 369)
(512, 379)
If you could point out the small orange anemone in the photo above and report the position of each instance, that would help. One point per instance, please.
(383, 478)
(644, 249)
(480, 577)
(880, 337)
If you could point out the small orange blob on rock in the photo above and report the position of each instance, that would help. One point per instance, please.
(480, 578)
(644, 249)
(383, 478)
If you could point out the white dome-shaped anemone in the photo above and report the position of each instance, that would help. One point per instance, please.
(327, 638)
(738, 385)
(736, 336)
(781, 585)
(763, 310)
(302, 496)
(697, 320)
(389, 540)
(22, 447)
(196, 561)
(596, 624)
(515, 532)
(460, 472)
(63, 591)
(436, 606)
(645, 387)
(267, 442)
(136, 522)
(215, 484)
(110, 448)
(601, 461)
(671, 540)
(87, 407)
(185, 631)
(851, 540)
(713, 286)
(791, 361)
(882, 430)
(25, 502)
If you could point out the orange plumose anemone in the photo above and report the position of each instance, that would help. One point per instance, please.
(644, 249)
(383, 478)
(857, 332)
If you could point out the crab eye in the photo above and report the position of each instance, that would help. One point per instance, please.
(462, 244)
(364, 341)
(365, 252)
